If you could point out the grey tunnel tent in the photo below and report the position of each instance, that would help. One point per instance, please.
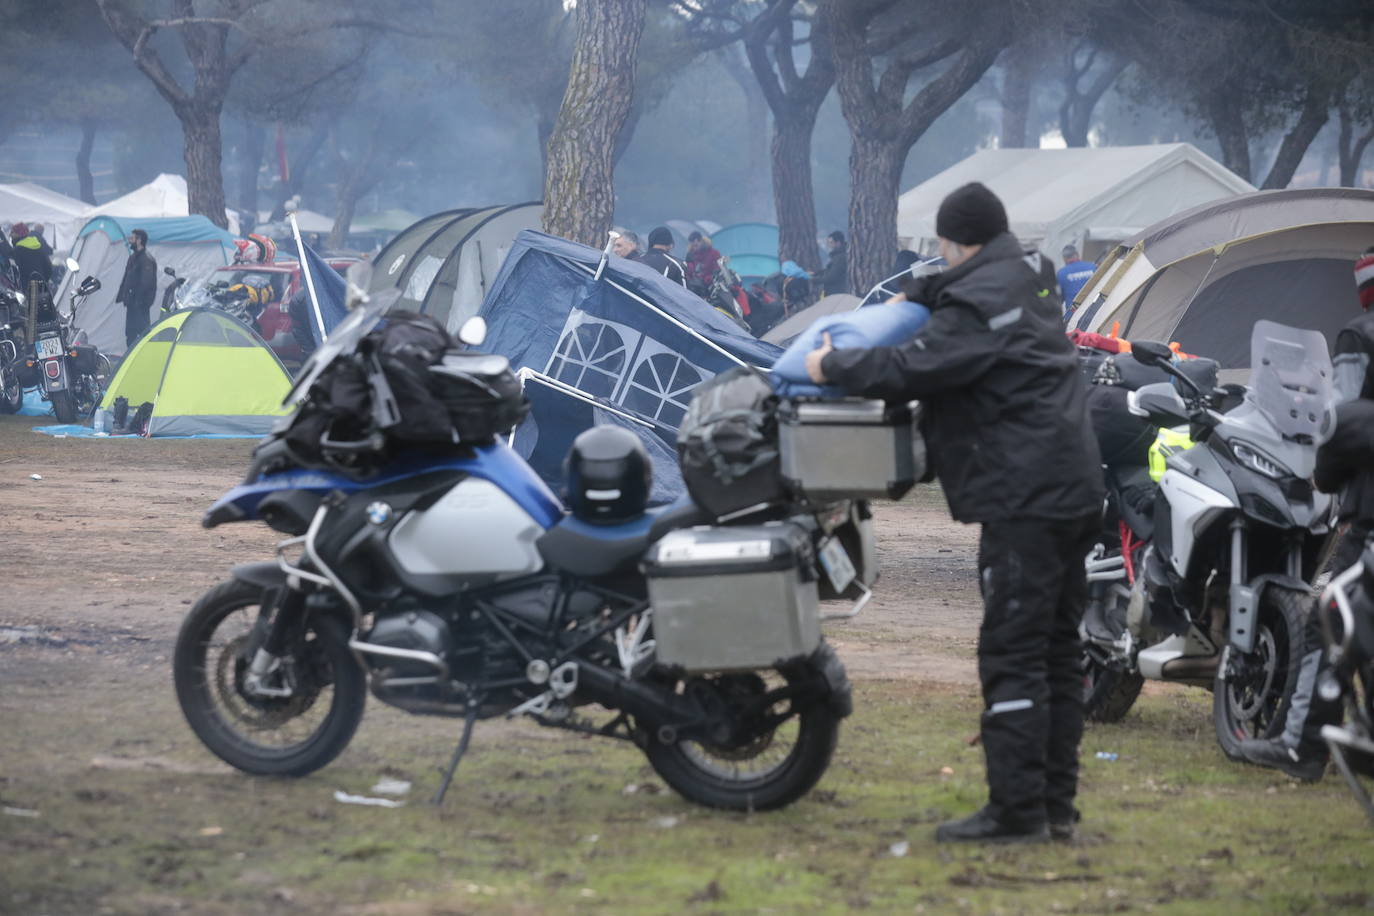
(1205, 276)
(445, 263)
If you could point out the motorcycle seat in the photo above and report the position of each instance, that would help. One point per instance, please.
(585, 549)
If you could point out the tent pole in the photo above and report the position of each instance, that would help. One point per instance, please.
(309, 281)
(531, 374)
(662, 314)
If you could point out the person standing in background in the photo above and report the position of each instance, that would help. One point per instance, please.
(658, 259)
(138, 288)
(834, 277)
(1073, 276)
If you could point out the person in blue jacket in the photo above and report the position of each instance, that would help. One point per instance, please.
(1073, 276)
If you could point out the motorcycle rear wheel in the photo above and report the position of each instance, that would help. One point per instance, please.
(774, 769)
(290, 736)
(1252, 692)
(64, 406)
(12, 398)
(1108, 692)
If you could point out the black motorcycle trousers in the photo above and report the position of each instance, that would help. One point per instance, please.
(1030, 663)
(135, 323)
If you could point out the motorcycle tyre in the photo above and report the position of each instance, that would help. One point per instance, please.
(13, 397)
(1109, 693)
(64, 407)
(192, 689)
(1282, 612)
(818, 734)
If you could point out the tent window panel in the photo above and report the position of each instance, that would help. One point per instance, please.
(661, 388)
(590, 357)
(216, 330)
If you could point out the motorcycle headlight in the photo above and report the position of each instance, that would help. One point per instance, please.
(1257, 460)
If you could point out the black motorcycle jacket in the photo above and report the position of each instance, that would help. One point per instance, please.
(1005, 419)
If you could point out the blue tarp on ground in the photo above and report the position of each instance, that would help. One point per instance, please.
(632, 339)
(85, 432)
(34, 405)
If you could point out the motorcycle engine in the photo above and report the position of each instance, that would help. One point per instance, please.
(422, 631)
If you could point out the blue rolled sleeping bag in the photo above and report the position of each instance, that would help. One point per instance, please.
(887, 325)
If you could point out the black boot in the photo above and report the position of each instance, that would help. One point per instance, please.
(983, 827)
(1062, 828)
(1273, 753)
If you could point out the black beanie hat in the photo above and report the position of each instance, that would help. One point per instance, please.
(971, 215)
(661, 236)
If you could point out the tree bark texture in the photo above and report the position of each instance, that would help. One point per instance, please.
(250, 160)
(1018, 78)
(794, 97)
(579, 180)
(204, 148)
(84, 178)
(1226, 122)
(1351, 149)
(1312, 117)
(883, 125)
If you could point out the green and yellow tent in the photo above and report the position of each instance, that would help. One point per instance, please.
(205, 372)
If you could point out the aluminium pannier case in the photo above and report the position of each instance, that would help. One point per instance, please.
(851, 448)
(737, 598)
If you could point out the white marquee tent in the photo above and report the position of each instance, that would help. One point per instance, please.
(163, 197)
(1090, 197)
(61, 216)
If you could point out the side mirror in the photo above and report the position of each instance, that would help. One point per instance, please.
(88, 285)
(1151, 352)
(359, 279)
(474, 331)
(72, 265)
(169, 272)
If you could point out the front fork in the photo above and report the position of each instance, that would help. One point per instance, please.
(281, 611)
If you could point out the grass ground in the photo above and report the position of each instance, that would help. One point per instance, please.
(541, 821)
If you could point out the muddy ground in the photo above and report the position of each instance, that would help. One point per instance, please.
(108, 805)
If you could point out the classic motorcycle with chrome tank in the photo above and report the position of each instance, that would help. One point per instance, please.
(448, 579)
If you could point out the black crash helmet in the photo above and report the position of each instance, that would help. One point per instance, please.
(609, 474)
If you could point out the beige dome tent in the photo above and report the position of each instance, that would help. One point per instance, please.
(1091, 197)
(1205, 276)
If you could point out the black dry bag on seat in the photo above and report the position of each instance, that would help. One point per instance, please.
(728, 444)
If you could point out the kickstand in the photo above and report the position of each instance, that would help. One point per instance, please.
(469, 720)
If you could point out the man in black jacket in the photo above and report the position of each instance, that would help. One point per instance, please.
(138, 288)
(1345, 465)
(834, 277)
(1007, 428)
(658, 259)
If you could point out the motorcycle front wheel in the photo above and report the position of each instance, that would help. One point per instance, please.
(267, 736)
(11, 392)
(780, 762)
(1253, 690)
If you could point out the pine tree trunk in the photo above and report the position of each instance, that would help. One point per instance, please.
(1313, 117)
(793, 195)
(1224, 117)
(204, 150)
(300, 167)
(1018, 77)
(875, 175)
(250, 160)
(579, 181)
(84, 178)
(1351, 149)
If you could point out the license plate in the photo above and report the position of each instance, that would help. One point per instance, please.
(835, 561)
(49, 347)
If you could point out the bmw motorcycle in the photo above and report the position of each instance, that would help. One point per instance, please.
(455, 583)
(1346, 614)
(1211, 588)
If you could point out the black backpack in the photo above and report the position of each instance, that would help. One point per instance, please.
(728, 444)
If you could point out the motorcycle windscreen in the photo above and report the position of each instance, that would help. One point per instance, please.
(1291, 380)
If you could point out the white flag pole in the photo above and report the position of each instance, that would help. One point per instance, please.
(309, 281)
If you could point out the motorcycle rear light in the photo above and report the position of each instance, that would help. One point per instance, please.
(52, 368)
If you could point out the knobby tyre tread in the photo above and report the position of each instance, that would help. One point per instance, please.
(193, 689)
(1111, 693)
